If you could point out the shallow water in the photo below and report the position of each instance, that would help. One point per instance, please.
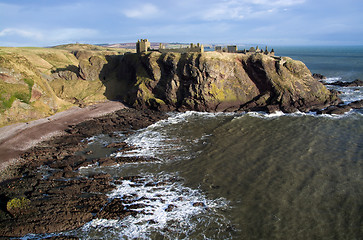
(259, 176)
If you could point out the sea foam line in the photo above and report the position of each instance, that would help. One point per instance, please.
(165, 207)
(155, 140)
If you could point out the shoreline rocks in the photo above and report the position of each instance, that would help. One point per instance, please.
(60, 198)
(341, 109)
(355, 83)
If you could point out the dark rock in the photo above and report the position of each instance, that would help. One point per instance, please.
(273, 108)
(64, 200)
(198, 204)
(318, 76)
(116, 145)
(355, 83)
(101, 176)
(335, 110)
(106, 162)
(170, 208)
(356, 104)
(114, 210)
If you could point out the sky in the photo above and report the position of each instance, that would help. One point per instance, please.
(271, 22)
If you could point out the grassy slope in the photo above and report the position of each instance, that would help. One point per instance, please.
(28, 91)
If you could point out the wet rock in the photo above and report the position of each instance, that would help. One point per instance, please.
(318, 76)
(170, 208)
(107, 162)
(60, 198)
(198, 204)
(101, 176)
(273, 108)
(335, 110)
(115, 210)
(116, 145)
(356, 105)
(355, 83)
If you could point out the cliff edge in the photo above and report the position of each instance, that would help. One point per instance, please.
(215, 81)
(39, 82)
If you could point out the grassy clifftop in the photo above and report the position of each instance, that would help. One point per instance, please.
(38, 82)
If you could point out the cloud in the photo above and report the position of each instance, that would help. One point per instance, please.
(276, 3)
(21, 32)
(143, 11)
(242, 9)
(48, 36)
(226, 11)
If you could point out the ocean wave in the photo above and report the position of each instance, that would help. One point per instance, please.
(280, 114)
(332, 79)
(156, 141)
(165, 208)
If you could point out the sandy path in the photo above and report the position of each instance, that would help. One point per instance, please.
(17, 138)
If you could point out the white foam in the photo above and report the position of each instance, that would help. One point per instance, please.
(332, 79)
(156, 141)
(153, 200)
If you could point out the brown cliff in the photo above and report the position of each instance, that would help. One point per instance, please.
(221, 82)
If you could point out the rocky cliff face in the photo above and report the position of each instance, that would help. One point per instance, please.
(221, 82)
(38, 82)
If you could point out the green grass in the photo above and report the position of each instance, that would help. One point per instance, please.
(10, 92)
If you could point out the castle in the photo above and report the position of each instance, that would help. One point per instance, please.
(233, 49)
(143, 46)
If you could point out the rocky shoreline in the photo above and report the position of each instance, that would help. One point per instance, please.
(53, 196)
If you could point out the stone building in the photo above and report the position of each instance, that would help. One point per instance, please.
(192, 48)
(232, 49)
(142, 45)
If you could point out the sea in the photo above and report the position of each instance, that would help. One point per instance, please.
(245, 175)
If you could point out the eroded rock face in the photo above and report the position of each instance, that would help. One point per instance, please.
(221, 82)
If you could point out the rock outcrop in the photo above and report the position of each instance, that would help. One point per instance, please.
(84, 74)
(221, 82)
(355, 83)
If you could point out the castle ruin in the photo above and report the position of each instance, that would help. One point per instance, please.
(233, 49)
(143, 46)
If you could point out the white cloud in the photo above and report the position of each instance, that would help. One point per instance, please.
(22, 33)
(53, 36)
(242, 9)
(276, 3)
(143, 11)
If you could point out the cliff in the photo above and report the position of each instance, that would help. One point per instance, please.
(38, 82)
(221, 82)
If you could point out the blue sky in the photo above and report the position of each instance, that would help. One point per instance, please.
(271, 22)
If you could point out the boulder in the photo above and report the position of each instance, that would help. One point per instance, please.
(318, 76)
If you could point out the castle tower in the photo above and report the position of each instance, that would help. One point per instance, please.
(142, 45)
(266, 51)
